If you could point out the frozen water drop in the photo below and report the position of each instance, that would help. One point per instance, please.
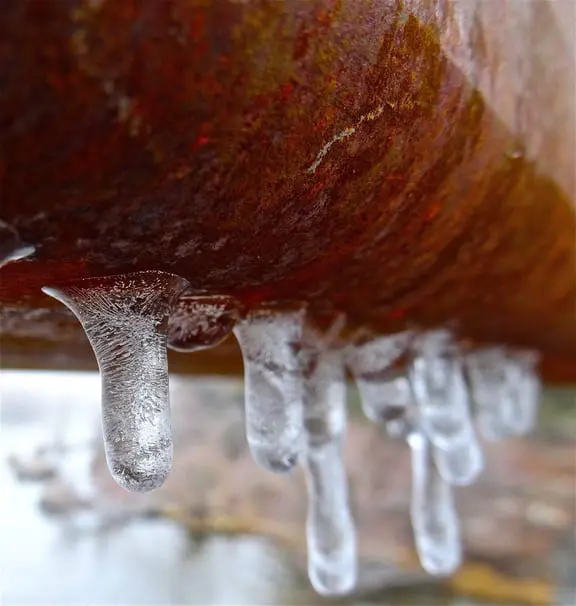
(441, 395)
(434, 518)
(370, 364)
(330, 529)
(11, 246)
(125, 319)
(269, 340)
(201, 321)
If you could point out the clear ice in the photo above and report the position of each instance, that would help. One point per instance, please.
(434, 518)
(269, 340)
(486, 370)
(125, 319)
(520, 408)
(330, 529)
(370, 365)
(11, 246)
(202, 321)
(505, 389)
(441, 395)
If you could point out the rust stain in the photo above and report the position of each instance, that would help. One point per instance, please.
(332, 146)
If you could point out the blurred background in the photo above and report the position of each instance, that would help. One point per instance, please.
(223, 531)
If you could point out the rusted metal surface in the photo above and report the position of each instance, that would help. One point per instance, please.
(331, 151)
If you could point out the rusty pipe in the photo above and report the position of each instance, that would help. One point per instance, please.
(405, 162)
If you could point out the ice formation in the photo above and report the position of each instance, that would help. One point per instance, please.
(425, 404)
(295, 403)
(330, 529)
(11, 246)
(520, 406)
(125, 318)
(370, 365)
(202, 321)
(441, 395)
(269, 340)
(505, 389)
(434, 518)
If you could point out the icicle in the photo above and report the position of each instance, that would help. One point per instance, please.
(201, 321)
(11, 246)
(433, 514)
(520, 406)
(487, 370)
(398, 405)
(125, 319)
(440, 392)
(369, 363)
(330, 529)
(434, 518)
(269, 340)
(505, 389)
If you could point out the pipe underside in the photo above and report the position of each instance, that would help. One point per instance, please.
(365, 156)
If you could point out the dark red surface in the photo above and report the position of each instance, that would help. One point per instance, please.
(182, 136)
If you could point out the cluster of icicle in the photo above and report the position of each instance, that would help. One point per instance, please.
(417, 386)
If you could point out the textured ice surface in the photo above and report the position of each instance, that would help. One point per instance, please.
(11, 246)
(125, 318)
(441, 395)
(201, 321)
(269, 340)
(506, 390)
(434, 518)
(330, 530)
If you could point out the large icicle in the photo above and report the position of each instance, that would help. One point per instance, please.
(125, 319)
(434, 518)
(330, 529)
(202, 321)
(441, 394)
(11, 246)
(269, 340)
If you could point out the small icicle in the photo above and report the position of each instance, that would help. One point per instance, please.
(125, 318)
(434, 518)
(269, 340)
(399, 405)
(520, 406)
(433, 514)
(487, 373)
(441, 394)
(505, 389)
(330, 529)
(370, 364)
(11, 246)
(202, 321)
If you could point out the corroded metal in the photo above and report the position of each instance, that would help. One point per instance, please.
(331, 151)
